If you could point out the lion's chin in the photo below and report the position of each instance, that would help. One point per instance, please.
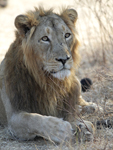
(61, 75)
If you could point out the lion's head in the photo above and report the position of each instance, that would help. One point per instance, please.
(49, 42)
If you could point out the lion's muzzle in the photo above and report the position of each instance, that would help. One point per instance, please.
(63, 60)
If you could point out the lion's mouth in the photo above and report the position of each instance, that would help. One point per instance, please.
(61, 74)
(63, 69)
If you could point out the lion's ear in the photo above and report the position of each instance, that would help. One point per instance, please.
(72, 14)
(22, 24)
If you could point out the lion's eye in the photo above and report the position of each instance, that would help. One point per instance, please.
(67, 35)
(45, 38)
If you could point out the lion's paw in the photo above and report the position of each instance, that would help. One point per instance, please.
(85, 131)
(91, 108)
(57, 130)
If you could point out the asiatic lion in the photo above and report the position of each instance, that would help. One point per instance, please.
(38, 85)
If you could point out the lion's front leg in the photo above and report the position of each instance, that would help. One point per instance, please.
(26, 126)
(84, 130)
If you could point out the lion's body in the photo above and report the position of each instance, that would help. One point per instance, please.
(37, 76)
(43, 101)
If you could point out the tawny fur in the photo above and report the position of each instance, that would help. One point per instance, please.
(28, 87)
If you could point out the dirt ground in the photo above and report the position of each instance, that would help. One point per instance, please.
(102, 75)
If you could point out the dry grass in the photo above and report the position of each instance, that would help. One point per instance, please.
(95, 25)
(96, 63)
(96, 36)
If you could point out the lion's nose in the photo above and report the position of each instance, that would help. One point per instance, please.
(63, 60)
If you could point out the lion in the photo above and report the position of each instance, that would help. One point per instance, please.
(39, 92)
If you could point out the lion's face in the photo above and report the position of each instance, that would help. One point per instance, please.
(48, 42)
(52, 42)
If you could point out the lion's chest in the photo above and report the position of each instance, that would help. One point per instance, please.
(50, 106)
